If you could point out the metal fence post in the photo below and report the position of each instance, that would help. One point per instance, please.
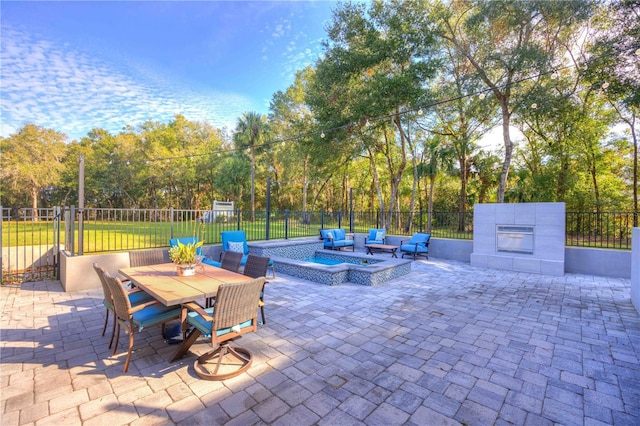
(321, 219)
(421, 220)
(339, 219)
(171, 222)
(286, 224)
(238, 212)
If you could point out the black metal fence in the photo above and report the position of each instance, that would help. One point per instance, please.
(30, 238)
(611, 230)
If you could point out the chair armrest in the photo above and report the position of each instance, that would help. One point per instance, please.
(192, 306)
(143, 305)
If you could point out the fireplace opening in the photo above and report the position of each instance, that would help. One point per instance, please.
(514, 239)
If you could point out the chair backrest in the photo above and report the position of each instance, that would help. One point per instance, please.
(105, 287)
(236, 304)
(185, 240)
(121, 302)
(148, 257)
(420, 238)
(256, 266)
(234, 237)
(231, 261)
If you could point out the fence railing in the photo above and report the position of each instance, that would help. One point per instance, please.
(30, 237)
(610, 230)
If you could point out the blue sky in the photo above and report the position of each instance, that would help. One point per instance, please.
(73, 66)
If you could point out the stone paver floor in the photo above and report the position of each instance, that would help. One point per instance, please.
(448, 344)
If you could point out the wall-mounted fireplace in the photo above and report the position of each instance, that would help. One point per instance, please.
(514, 239)
(525, 237)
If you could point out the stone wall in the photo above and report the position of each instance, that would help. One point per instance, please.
(548, 222)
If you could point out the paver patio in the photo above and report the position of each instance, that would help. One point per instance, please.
(448, 344)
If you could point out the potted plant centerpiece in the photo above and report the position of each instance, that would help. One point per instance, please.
(184, 256)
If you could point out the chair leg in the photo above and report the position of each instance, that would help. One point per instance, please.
(126, 363)
(106, 320)
(117, 339)
(203, 371)
(113, 330)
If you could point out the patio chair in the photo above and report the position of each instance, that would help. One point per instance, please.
(336, 239)
(376, 236)
(136, 297)
(257, 267)
(418, 245)
(148, 257)
(233, 315)
(231, 262)
(135, 318)
(237, 241)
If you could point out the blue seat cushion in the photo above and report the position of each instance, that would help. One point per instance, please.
(412, 248)
(155, 314)
(205, 326)
(212, 262)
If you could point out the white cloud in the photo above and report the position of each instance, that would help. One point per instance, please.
(55, 86)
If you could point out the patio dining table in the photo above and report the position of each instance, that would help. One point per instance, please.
(163, 283)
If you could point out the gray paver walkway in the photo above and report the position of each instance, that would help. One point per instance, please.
(448, 344)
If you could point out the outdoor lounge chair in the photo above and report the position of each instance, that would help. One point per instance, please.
(237, 241)
(233, 315)
(135, 318)
(136, 297)
(336, 239)
(376, 236)
(418, 245)
(199, 251)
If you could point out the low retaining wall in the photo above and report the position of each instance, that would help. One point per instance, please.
(76, 273)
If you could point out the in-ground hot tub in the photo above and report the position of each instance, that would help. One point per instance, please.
(358, 268)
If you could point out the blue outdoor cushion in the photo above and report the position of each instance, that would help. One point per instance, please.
(186, 240)
(376, 236)
(234, 236)
(204, 326)
(154, 314)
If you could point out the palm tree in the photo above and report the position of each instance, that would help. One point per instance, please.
(251, 131)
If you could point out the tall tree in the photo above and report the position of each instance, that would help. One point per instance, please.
(250, 132)
(32, 161)
(508, 42)
(615, 63)
(377, 64)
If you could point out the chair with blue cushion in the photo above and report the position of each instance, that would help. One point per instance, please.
(136, 318)
(237, 241)
(336, 239)
(376, 236)
(199, 250)
(136, 297)
(256, 267)
(418, 245)
(233, 315)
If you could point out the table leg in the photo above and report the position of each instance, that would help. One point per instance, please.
(393, 253)
(369, 251)
(186, 344)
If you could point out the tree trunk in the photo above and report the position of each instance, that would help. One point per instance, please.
(253, 185)
(508, 149)
(34, 203)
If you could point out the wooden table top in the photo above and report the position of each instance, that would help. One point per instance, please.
(165, 285)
